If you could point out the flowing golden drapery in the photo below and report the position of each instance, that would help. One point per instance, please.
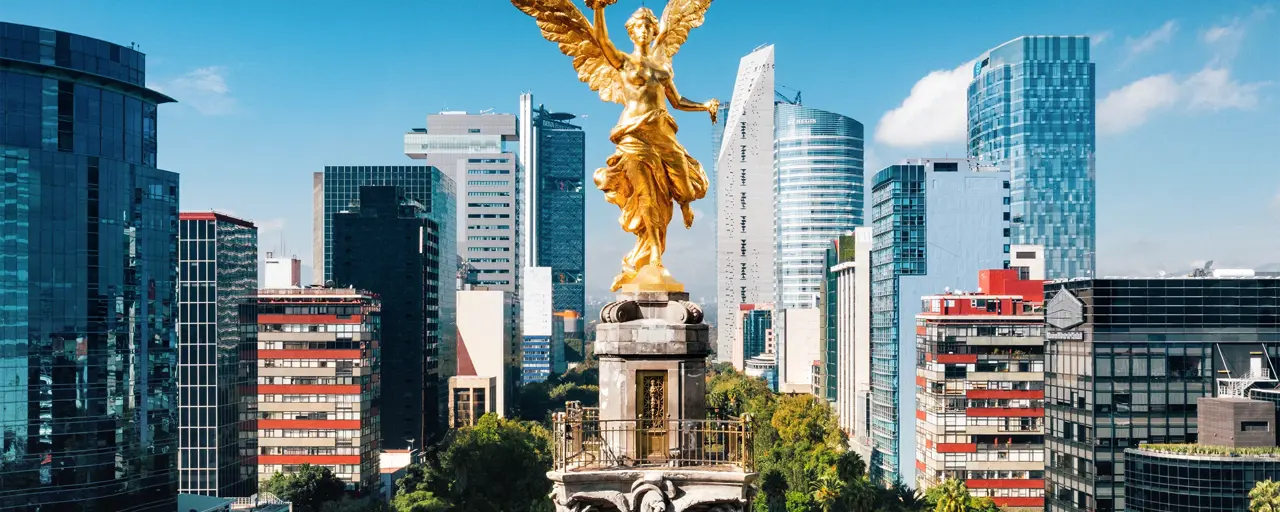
(648, 173)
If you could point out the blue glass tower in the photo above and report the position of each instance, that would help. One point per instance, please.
(560, 208)
(935, 224)
(1031, 111)
(88, 273)
(817, 191)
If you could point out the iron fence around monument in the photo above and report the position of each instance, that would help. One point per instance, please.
(583, 442)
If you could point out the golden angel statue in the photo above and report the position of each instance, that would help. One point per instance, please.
(650, 170)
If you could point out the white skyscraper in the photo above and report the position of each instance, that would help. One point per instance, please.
(744, 184)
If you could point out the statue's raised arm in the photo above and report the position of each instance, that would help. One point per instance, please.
(596, 61)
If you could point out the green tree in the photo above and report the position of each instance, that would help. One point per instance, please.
(799, 501)
(1265, 497)
(983, 504)
(950, 496)
(372, 503)
(499, 465)
(309, 488)
(418, 501)
(827, 489)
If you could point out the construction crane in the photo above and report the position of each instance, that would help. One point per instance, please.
(779, 96)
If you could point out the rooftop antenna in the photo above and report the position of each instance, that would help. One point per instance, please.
(486, 111)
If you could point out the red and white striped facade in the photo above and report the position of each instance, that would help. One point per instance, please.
(980, 390)
(318, 383)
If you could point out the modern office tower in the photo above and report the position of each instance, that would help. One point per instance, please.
(764, 366)
(553, 155)
(817, 159)
(537, 347)
(755, 333)
(744, 198)
(850, 282)
(217, 363)
(388, 245)
(319, 358)
(798, 337)
(1236, 450)
(281, 272)
(838, 251)
(489, 342)
(88, 274)
(478, 152)
(980, 390)
(1031, 111)
(338, 188)
(1128, 358)
(935, 224)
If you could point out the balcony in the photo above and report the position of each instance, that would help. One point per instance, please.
(583, 442)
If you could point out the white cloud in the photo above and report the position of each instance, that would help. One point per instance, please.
(1213, 89)
(1152, 40)
(1096, 39)
(1225, 39)
(934, 113)
(204, 89)
(1130, 106)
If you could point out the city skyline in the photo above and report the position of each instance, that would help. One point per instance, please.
(1179, 93)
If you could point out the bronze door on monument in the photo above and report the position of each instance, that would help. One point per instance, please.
(651, 415)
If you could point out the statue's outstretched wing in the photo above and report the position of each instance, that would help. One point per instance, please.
(561, 22)
(678, 18)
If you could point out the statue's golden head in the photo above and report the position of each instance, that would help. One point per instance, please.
(642, 26)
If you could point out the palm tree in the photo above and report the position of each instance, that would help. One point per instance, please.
(908, 499)
(952, 496)
(1265, 497)
(827, 490)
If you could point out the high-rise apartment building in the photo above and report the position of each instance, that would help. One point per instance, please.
(337, 188)
(281, 272)
(935, 224)
(1126, 361)
(388, 245)
(744, 197)
(489, 343)
(1032, 111)
(478, 151)
(553, 157)
(318, 383)
(838, 251)
(88, 272)
(980, 390)
(849, 291)
(817, 188)
(217, 362)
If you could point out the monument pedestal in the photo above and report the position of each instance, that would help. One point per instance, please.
(649, 447)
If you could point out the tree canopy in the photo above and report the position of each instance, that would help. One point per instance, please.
(1265, 497)
(309, 488)
(499, 465)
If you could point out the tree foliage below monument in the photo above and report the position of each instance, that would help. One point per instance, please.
(801, 452)
(499, 465)
(309, 488)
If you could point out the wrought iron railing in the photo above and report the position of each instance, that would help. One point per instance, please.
(583, 442)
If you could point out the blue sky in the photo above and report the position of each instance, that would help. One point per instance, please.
(1189, 92)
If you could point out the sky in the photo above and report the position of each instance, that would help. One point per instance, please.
(269, 92)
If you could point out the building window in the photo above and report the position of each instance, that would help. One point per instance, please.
(743, 127)
(744, 153)
(1255, 426)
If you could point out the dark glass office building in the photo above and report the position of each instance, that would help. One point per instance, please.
(756, 327)
(338, 188)
(1126, 360)
(88, 269)
(387, 244)
(559, 241)
(1157, 481)
(217, 364)
(839, 250)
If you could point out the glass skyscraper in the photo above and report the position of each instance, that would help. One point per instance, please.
(817, 189)
(217, 363)
(338, 188)
(88, 273)
(1031, 111)
(935, 224)
(559, 240)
